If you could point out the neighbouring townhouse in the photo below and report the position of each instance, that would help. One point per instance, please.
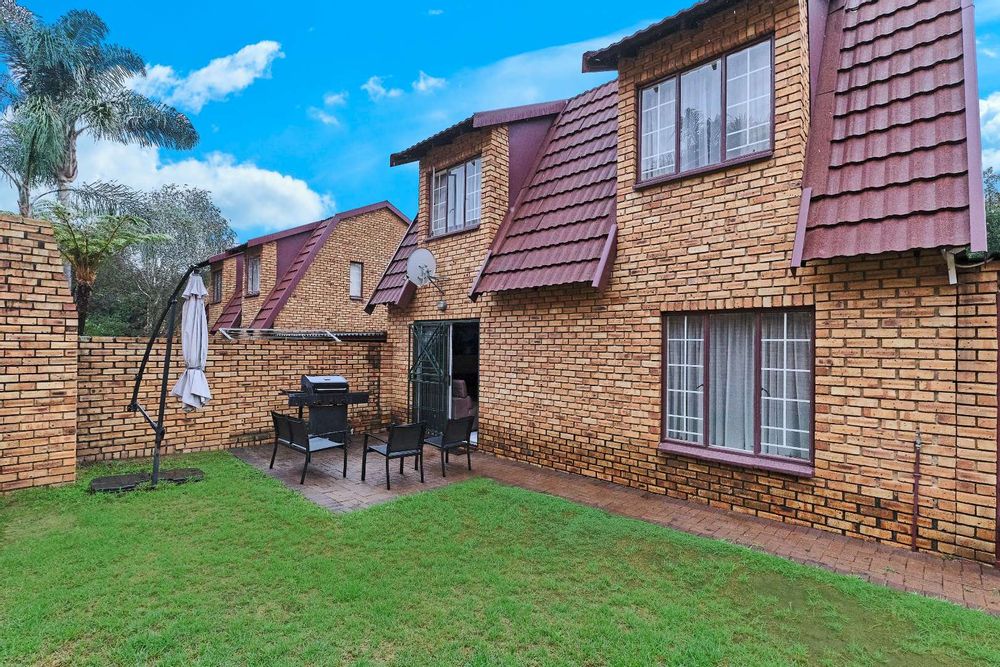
(314, 276)
(737, 273)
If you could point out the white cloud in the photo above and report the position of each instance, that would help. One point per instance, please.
(435, 12)
(989, 117)
(335, 99)
(991, 158)
(425, 83)
(322, 116)
(377, 91)
(255, 199)
(213, 82)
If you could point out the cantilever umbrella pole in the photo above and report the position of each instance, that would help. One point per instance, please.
(160, 431)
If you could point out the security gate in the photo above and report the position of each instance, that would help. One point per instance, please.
(430, 375)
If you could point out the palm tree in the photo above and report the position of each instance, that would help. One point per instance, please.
(74, 83)
(86, 240)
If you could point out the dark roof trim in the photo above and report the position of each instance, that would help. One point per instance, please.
(476, 121)
(606, 59)
(308, 227)
(603, 273)
(973, 140)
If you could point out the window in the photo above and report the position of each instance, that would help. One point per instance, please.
(253, 275)
(455, 198)
(216, 286)
(710, 115)
(740, 381)
(357, 273)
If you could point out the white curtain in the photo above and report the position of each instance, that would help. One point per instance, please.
(731, 381)
(701, 114)
(786, 383)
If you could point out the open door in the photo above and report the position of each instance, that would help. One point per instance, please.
(430, 373)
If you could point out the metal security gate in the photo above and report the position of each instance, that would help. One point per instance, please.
(430, 375)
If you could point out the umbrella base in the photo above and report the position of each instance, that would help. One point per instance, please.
(122, 483)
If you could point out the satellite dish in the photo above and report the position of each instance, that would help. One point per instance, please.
(421, 267)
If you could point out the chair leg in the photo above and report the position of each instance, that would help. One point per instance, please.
(401, 459)
(388, 486)
(274, 453)
(444, 471)
(414, 462)
(420, 456)
(468, 455)
(345, 461)
(364, 463)
(304, 466)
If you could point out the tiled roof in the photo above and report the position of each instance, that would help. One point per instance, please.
(894, 153)
(297, 269)
(562, 229)
(393, 288)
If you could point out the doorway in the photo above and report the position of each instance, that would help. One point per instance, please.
(444, 372)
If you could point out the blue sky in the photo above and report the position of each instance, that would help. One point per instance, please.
(298, 109)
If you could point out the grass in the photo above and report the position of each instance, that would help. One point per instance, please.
(239, 570)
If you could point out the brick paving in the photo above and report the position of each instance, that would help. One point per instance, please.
(961, 581)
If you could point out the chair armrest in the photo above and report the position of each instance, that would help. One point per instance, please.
(375, 437)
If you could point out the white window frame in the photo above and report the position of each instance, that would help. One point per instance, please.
(456, 198)
(356, 290)
(253, 275)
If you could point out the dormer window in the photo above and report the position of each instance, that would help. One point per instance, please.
(717, 113)
(455, 198)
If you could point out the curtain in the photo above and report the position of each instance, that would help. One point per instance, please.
(786, 384)
(701, 112)
(731, 381)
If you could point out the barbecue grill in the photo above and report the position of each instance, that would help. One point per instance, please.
(327, 397)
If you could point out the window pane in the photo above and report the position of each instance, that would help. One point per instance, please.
(786, 383)
(253, 275)
(456, 199)
(748, 101)
(658, 140)
(701, 111)
(685, 379)
(731, 381)
(356, 273)
(439, 204)
(472, 197)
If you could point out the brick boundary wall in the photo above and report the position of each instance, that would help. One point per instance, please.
(38, 361)
(245, 377)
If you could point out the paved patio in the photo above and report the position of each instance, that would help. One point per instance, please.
(960, 581)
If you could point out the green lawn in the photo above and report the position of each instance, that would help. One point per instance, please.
(239, 570)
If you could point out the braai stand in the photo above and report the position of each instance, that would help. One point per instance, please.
(327, 397)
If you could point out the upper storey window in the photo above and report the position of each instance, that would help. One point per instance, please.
(713, 114)
(455, 198)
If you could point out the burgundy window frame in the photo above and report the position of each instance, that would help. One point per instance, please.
(361, 281)
(723, 163)
(217, 282)
(260, 265)
(732, 455)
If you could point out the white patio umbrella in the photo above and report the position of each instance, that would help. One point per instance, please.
(192, 386)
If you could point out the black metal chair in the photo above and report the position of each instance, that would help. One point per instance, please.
(282, 433)
(404, 440)
(457, 434)
(300, 441)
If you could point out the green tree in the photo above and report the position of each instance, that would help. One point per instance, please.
(87, 240)
(134, 286)
(65, 81)
(991, 188)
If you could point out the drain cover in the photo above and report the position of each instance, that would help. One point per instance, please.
(117, 483)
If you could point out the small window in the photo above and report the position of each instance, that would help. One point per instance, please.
(357, 273)
(740, 381)
(216, 286)
(710, 115)
(456, 198)
(253, 275)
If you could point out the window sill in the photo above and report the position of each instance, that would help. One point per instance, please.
(355, 298)
(250, 295)
(454, 233)
(717, 455)
(712, 168)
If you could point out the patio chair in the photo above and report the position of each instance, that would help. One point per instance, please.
(457, 434)
(282, 433)
(298, 439)
(404, 440)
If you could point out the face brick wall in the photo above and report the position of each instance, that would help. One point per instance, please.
(571, 379)
(245, 378)
(322, 299)
(38, 389)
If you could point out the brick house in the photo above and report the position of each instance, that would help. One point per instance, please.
(314, 276)
(732, 275)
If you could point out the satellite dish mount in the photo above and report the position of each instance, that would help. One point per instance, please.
(421, 270)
